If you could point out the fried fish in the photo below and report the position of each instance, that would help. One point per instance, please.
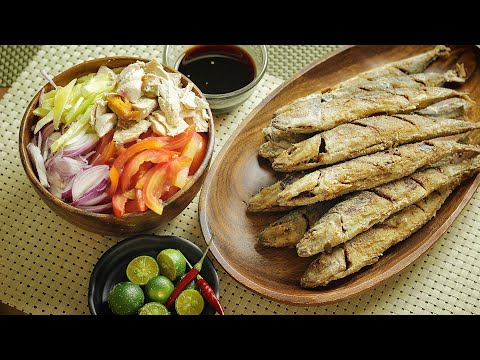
(367, 171)
(278, 141)
(365, 136)
(318, 227)
(412, 65)
(270, 194)
(363, 209)
(317, 116)
(357, 174)
(367, 247)
(453, 108)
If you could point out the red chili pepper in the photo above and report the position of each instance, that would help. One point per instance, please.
(187, 279)
(208, 293)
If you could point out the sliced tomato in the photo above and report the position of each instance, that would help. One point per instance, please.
(180, 168)
(132, 166)
(176, 142)
(136, 205)
(114, 179)
(123, 157)
(104, 141)
(173, 190)
(141, 180)
(104, 150)
(140, 200)
(200, 154)
(156, 184)
(150, 143)
(130, 194)
(189, 152)
(104, 157)
(141, 171)
(118, 202)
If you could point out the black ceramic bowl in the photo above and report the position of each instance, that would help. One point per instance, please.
(111, 267)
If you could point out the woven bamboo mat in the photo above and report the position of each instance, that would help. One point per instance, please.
(45, 262)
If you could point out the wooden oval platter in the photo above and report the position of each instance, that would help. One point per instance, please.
(238, 173)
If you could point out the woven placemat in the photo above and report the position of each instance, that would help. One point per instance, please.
(13, 59)
(45, 262)
(284, 60)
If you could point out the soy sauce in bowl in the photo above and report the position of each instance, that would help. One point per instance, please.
(218, 69)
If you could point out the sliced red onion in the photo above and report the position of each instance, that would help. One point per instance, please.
(66, 166)
(67, 191)
(88, 155)
(47, 143)
(47, 130)
(38, 162)
(94, 198)
(101, 209)
(82, 145)
(90, 180)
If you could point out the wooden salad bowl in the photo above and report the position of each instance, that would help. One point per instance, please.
(238, 173)
(108, 224)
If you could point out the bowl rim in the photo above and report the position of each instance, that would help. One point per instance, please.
(145, 237)
(242, 90)
(28, 168)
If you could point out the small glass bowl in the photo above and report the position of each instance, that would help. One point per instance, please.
(222, 103)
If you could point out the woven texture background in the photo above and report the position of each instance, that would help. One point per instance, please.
(45, 262)
(13, 59)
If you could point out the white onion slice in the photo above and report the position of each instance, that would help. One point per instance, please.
(37, 160)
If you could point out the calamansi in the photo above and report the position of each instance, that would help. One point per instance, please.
(159, 289)
(189, 302)
(125, 298)
(141, 269)
(153, 308)
(172, 263)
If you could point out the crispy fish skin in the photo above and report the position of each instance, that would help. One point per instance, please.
(417, 64)
(438, 79)
(275, 135)
(266, 199)
(288, 230)
(277, 142)
(365, 136)
(453, 108)
(412, 65)
(366, 171)
(366, 208)
(367, 247)
(270, 150)
(318, 116)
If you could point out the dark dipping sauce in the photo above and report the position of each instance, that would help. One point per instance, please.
(217, 69)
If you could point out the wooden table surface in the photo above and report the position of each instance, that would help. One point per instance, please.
(5, 309)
